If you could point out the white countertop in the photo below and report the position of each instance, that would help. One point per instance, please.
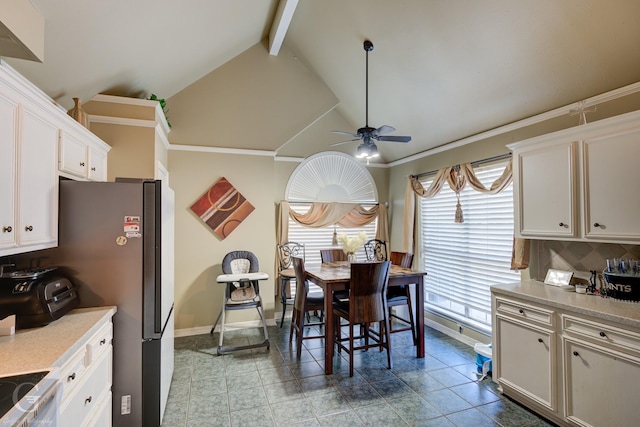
(627, 313)
(50, 345)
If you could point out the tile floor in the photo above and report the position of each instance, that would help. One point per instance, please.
(262, 387)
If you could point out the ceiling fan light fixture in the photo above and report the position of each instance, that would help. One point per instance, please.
(367, 151)
(362, 152)
(368, 134)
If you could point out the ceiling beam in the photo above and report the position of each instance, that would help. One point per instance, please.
(280, 25)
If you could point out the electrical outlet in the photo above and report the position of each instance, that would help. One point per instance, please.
(125, 405)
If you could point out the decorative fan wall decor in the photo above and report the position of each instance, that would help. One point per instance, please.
(331, 177)
(222, 208)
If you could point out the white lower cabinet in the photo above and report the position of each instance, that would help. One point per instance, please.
(527, 362)
(572, 368)
(595, 374)
(86, 382)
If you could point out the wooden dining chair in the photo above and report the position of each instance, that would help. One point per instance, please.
(375, 250)
(400, 295)
(331, 255)
(303, 302)
(366, 305)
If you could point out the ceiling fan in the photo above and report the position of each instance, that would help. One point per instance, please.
(367, 134)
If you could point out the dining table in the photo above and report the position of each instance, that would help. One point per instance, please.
(335, 276)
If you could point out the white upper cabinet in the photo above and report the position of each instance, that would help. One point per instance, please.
(82, 155)
(31, 126)
(580, 183)
(29, 183)
(546, 195)
(612, 186)
(8, 144)
(37, 182)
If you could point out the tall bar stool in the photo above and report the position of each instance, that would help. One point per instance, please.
(304, 302)
(400, 295)
(286, 252)
(366, 305)
(331, 255)
(376, 250)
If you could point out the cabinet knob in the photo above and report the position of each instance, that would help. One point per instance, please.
(81, 163)
(103, 341)
(539, 339)
(28, 228)
(562, 224)
(93, 169)
(602, 334)
(597, 224)
(71, 377)
(575, 353)
(521, 311)
(7, 229)
(87, 400)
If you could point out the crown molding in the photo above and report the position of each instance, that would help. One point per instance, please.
(561, 111)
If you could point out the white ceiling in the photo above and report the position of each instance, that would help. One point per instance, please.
(441, 70)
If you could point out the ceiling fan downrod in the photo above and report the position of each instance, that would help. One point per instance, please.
(368, 47)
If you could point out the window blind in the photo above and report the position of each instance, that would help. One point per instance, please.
(463, 260)
(315, 239)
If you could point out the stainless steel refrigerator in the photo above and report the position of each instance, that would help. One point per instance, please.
(111, 237)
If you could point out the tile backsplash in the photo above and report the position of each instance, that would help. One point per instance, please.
(578, 256)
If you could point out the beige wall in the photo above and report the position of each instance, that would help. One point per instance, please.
(199, 251)
(133, 150)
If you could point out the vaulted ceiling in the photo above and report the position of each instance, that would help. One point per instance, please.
(441, 70)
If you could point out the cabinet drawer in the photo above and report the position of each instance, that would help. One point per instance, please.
(525, 312)
(99, 343)
(102, 415)
(78, 407)
(602, 334)
(72, 372)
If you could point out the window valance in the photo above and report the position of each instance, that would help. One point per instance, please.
(458, 177)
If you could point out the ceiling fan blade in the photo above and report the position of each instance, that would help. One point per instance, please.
(344, 142)
(384, 129)
(345, 133)
(394, 138)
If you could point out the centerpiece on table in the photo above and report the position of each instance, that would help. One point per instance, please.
(351, 244)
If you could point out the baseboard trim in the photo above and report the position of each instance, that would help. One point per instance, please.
(449, 332)
(200, 330)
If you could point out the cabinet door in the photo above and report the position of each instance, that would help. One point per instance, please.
(525, 361)
(72, 155)
(546, 191)
(611, 179)
(601, 386)
(97, 165)
(8, 142)
(38, 195)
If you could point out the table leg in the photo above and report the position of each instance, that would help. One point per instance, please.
(328, 329)
(419, 310)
